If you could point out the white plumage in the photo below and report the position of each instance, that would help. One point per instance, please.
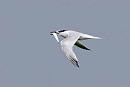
(72, 38)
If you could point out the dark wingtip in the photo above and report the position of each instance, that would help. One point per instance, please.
(77, 64)
(87, 49)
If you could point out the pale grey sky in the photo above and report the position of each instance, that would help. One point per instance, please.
(30, 57)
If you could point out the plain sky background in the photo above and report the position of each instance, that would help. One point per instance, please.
(31, 57)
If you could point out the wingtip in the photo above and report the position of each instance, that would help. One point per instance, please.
(78, 66)
(98, 38)
(88, 49)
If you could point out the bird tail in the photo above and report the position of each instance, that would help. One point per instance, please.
(96, 37)
(91, 37)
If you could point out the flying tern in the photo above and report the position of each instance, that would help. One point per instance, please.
(72, 38)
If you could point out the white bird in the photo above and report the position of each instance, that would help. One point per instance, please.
(72, 38)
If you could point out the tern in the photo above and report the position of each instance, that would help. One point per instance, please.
(71, 38)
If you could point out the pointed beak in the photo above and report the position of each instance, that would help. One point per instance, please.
(51, 33)
(56, 32)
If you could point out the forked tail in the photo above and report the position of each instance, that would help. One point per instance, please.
(91, 37)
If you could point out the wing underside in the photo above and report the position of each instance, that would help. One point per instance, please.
(81, 46)
(70, 55)
(67, 46)
(73, 61)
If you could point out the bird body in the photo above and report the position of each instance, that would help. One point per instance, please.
(72, 38)
(82, 36)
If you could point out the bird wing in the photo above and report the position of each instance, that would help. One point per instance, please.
(67, 47)
(78, 44)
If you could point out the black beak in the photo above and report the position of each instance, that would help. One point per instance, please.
(51, 33)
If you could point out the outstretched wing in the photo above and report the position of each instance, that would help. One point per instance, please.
(81, 46)
(67, 46)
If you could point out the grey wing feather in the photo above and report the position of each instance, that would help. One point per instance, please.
(81, 46)
(67, 45)
(70, 55)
